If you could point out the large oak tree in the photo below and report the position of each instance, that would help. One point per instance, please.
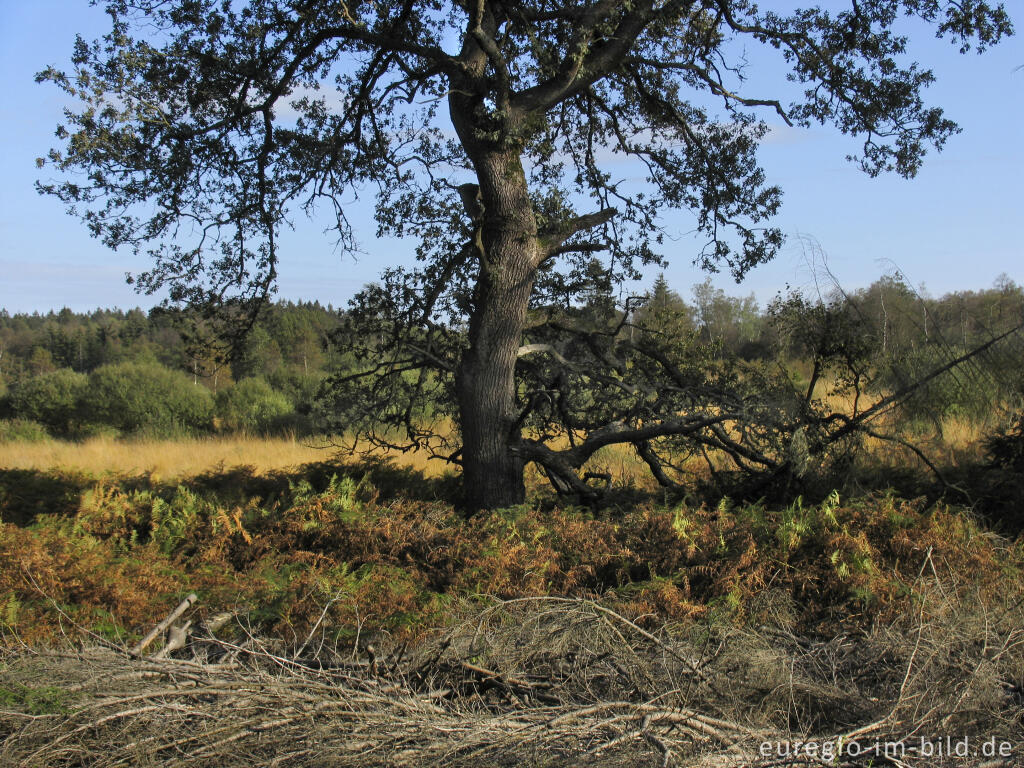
(486, 129)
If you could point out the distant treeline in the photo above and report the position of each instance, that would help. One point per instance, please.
(110, 371)
(129, 372)
(903, 319)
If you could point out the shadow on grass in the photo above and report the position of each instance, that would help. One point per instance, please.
(995, 494)
(238, 484)
(25, 494)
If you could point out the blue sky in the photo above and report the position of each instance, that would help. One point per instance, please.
(956, 226)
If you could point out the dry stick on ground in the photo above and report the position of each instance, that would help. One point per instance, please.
(183, 606)
(693, 666)
(268, 705)
(323, 614)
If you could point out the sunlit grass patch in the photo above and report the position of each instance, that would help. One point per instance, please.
(184, 457)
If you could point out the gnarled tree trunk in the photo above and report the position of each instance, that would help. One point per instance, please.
(509, 252)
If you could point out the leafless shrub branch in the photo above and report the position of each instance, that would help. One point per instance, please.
(545, 681)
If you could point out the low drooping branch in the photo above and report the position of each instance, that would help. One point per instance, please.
(666, 402)
(562, 466)
(851, 425)
(654, 463)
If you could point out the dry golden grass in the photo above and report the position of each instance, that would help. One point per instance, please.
(951, 439)
(182, 457)
(962, 433)
(954, 440)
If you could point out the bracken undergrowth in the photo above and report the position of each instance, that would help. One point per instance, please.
(355, 549)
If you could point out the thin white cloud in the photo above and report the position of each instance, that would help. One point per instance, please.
(785, 134)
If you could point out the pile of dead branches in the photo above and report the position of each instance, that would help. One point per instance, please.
(545, 681)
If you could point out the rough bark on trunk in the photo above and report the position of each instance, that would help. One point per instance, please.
(509, 251)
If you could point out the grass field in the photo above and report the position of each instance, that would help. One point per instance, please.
(170, 459)
(182, 458)
(953, 439)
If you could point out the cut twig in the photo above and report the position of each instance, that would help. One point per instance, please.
(426, 708)
(183, 606)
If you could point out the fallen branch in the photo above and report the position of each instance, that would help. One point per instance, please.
(183, 606)
(426, 708)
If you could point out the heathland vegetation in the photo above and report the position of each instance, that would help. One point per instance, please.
(123, 435)
(825, 546)
(136, 472)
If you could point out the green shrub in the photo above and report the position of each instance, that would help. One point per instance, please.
(965, 392)
(34, 701)
(91, 430)
(299, 387)
(22, 431)
(51, 399)
(252, 405)
(147, 398)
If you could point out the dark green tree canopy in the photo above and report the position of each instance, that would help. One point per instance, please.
(206, 125)
(223, 118)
